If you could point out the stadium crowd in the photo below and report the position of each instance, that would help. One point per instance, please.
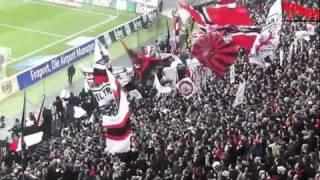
(275, 134)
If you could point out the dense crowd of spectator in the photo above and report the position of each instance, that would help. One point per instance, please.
(275, 134)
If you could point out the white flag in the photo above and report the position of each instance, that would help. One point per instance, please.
(232, 74)
(79, 112)
(305, 34)
(240, 94)
(30, 140)
(161, 89)
(281, 54)
(269, 38)
(100, 51)
(290, 52)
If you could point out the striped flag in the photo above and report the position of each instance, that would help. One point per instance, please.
(29, 135)
(117, 128)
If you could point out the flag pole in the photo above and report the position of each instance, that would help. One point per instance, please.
(23, 118)
(168, 37)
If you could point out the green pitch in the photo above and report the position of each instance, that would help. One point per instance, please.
(34, 28)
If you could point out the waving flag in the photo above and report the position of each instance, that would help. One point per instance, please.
(117, 128)
(195, 14)
(99, 73)
(140, 62)
(293, 9)
(28, 139)
(238, 16)
(100, 52)
(211, 15)
(240, 94)
(214, 52)
(101, 59)
(239, 35)
(122, 116)
(29, 135)
(161, 89)
(269, 38)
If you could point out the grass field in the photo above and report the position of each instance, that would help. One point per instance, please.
(34, 28)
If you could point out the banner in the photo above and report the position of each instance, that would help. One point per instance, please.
(186, 87)
(126, 29)
(39, 72)
(145, 6)
(8, 86)
(103, 94)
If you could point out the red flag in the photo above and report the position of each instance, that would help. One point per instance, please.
(220, 16)
(214, 52)
(292, 9)
(241, 36)
(140, 62)
(244, 40)
(196, 15)
(99, 73)
(228, 16)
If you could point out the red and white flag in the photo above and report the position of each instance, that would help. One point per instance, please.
(217, 15)
(122, 116)
(269, 38)
(195, 14)
(118, 144)
(101, 63)
(117, 128)
(29, 140)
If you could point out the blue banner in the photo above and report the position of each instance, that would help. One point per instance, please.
(39, 72)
